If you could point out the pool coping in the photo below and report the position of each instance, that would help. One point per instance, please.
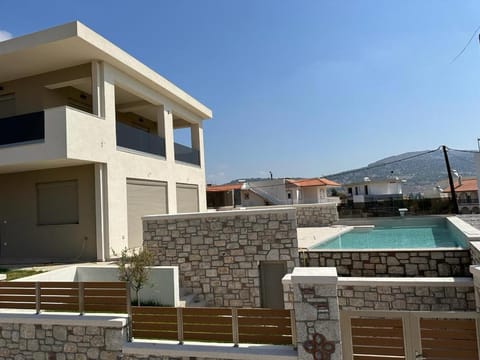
(467, 231)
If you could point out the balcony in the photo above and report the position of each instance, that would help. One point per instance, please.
(62, 136)
(25, 128)
(139, 140)
(187, 154)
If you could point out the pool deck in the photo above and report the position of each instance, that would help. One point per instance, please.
(307, 237)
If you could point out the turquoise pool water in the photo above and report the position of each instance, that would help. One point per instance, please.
(396, 237)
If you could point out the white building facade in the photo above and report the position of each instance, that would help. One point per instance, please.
(87, 147)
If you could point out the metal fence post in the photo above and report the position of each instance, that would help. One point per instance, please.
(235, 334)
(129, 312)
(37, 297)
(81, 298)
(180, 325)
(293, 327)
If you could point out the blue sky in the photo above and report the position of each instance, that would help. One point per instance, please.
(299, 88)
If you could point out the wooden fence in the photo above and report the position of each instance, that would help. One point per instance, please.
(262, 326)
(230, 325)
(109, 297)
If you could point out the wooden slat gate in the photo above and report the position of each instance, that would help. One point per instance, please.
(377, 335)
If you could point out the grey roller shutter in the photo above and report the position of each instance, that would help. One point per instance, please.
(187, 198)
(143, 198)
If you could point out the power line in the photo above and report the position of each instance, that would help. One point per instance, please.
(465, 151)
(466, 46)
(383, 163)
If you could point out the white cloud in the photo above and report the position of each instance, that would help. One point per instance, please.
(5, 35)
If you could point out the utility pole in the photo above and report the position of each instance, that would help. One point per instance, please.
(450, 180)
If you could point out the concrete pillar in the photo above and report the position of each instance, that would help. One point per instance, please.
(165, 130)
(196, 134)
(475, 270)
(316, 313)
(98, 89)
(101, 209)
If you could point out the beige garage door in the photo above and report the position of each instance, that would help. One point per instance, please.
(187, 198)
(143, 198)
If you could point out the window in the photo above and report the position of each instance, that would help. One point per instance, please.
(7, 105)
(289, 195)
(57, 203)
(350, 190)
(356, 190)
(366, 189)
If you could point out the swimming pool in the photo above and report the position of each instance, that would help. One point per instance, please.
(419, 233)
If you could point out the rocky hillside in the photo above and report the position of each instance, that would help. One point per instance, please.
(421, 170)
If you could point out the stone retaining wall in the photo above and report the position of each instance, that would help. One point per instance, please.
(438, 263)
(218, 253)
(405, 297)
(475, 252)
(49, 337)
(315, 215)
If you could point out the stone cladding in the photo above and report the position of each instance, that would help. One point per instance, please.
(436, 263)
(218, 254)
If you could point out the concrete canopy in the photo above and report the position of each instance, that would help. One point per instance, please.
(74, 44)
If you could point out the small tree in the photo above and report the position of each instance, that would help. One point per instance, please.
(133, 268)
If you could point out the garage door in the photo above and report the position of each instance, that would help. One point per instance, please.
(143, 198)
(187, 198)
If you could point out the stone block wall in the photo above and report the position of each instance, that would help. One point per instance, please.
(43, 338)
(315, 215)
(406, 298)
(475, 252)
(317, 314)
(218, 253)
(392, 263)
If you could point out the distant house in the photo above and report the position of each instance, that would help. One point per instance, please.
(370, 190)
(466, 191)
(270, 192)
(227, 195)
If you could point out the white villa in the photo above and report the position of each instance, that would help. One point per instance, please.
(87, 147)
(374, 190)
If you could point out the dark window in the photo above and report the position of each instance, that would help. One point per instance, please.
(57, 203)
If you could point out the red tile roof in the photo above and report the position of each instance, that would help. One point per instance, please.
(226, 187)
(467, 185)
(313, 182)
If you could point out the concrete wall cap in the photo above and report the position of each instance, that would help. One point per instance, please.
(475, 270)
(210, 350)
(317, 205)
(68, 319)
(314, 275)
(228, 213)
(467, 230)
(287, 279)
(402, 281)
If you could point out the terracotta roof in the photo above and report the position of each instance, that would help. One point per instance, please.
(467, 185)
(313, 182)
(226, 187)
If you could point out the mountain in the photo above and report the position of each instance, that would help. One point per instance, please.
(422, 169)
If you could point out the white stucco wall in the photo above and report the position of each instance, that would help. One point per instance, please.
(162, 286)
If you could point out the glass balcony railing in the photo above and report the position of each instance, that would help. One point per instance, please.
(136, 139)
(187, 154)
(22, 128)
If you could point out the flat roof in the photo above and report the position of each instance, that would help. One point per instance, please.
(73, 44)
